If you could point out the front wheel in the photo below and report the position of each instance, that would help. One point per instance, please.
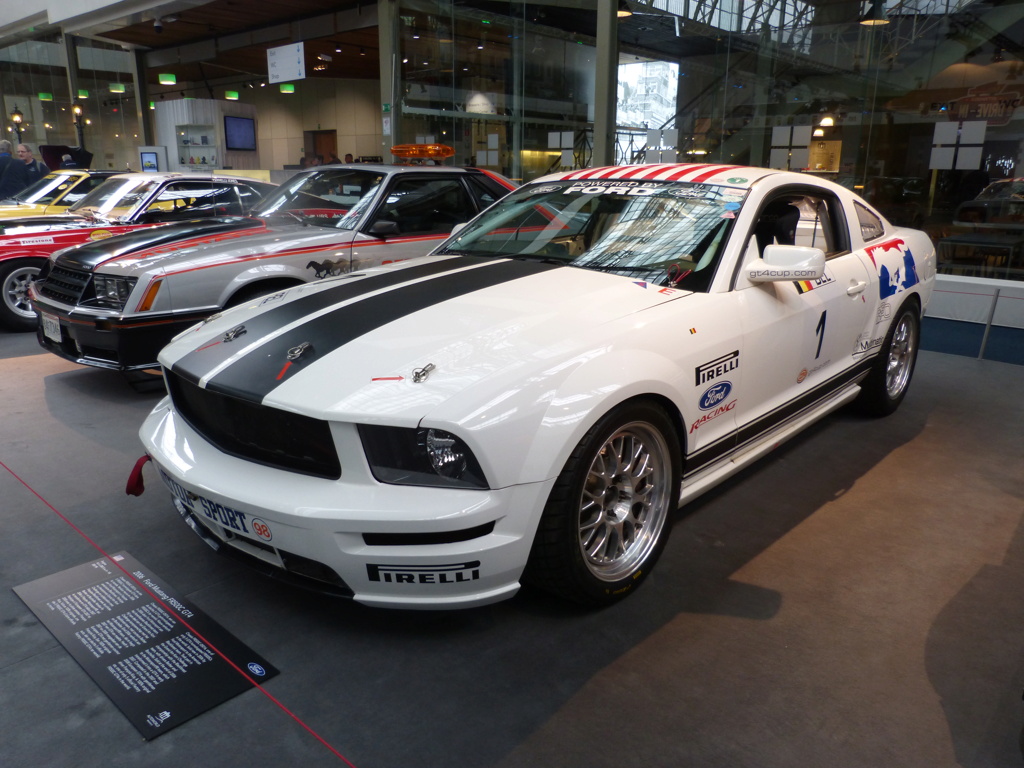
(886, 385)
(15, 309)
(609, 513)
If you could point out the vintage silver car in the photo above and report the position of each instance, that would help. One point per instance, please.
(116, 303)
(123, 203)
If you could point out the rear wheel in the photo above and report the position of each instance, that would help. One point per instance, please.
(15, 308)
(609, 513)
(886, 386)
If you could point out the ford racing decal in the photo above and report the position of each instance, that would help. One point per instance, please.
(714, 395)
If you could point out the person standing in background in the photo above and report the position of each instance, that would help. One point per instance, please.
(13, 174)
(35, 169)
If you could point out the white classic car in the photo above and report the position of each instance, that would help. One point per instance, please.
(535, 399)
(114, 303)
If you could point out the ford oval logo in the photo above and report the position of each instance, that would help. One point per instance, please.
(715, 395)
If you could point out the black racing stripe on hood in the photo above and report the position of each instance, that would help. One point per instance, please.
(254, 376)
(89, 255)
(197, 363)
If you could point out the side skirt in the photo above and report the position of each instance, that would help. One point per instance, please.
(711, 475)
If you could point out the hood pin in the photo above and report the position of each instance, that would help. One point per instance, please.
(293, 354)
(420, 374)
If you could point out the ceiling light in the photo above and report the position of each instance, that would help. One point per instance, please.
(875, 15)
(623, 10)
(827, 122)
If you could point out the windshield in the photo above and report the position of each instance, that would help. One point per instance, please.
(1003, 190)
(334, 197)
(47, 189)
(115, 198)
(668, 233)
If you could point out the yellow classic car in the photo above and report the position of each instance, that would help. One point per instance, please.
(53, 193)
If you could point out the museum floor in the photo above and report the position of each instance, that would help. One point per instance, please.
(856, 599)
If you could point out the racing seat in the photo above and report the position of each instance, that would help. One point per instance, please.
(776, 224)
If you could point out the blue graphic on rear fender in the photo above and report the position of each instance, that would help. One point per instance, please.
(889, 285)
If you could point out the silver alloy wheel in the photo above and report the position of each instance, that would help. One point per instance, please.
(626, 500)
(15, 290)
(901, 356)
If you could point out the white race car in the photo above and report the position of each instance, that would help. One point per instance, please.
(534, 399)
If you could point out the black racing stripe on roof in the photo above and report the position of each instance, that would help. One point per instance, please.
(196, 364)
(89, 255)
(254, 376)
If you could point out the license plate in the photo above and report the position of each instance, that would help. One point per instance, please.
(51, 328)
(232, 521)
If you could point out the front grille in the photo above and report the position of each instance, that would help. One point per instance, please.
(65, 285)
(255, 432)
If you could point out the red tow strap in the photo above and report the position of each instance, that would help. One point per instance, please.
(136, 485)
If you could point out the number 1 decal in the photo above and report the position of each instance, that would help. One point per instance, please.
(819, 331)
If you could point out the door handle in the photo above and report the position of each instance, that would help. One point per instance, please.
(856, 288)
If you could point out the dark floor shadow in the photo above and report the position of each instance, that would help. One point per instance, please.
(979, 673)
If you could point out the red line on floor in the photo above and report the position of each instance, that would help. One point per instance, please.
(171, 613)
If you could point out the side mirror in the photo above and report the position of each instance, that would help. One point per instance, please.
(384, 228)
(461, 225)
(787, 262)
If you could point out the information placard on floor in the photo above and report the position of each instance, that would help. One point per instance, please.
(160, 659)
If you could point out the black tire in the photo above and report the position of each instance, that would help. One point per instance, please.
(15, 309)
(607, 520)
(886, 385)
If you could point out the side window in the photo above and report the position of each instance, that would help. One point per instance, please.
(806, 218)
(249, 197)
(196, 199)
(871, 226)
(418, 206)
(82, 189)
(485, 190)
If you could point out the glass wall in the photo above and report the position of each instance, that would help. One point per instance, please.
(508, 92)
(35, 81)
(918, 111)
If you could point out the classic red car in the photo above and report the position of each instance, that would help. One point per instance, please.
(121, 204)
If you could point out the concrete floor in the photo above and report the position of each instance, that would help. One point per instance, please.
(856, 599)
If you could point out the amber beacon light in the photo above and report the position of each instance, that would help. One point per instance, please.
(423, 151)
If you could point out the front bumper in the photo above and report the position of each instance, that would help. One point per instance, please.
(107, 341)
(383, 545)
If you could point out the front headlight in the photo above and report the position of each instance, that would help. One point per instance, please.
(420, 456)
(112, 291)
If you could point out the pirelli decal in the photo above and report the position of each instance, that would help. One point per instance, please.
(453, 573)
(254, 375)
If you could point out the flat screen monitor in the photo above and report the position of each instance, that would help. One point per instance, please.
(239, 133)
